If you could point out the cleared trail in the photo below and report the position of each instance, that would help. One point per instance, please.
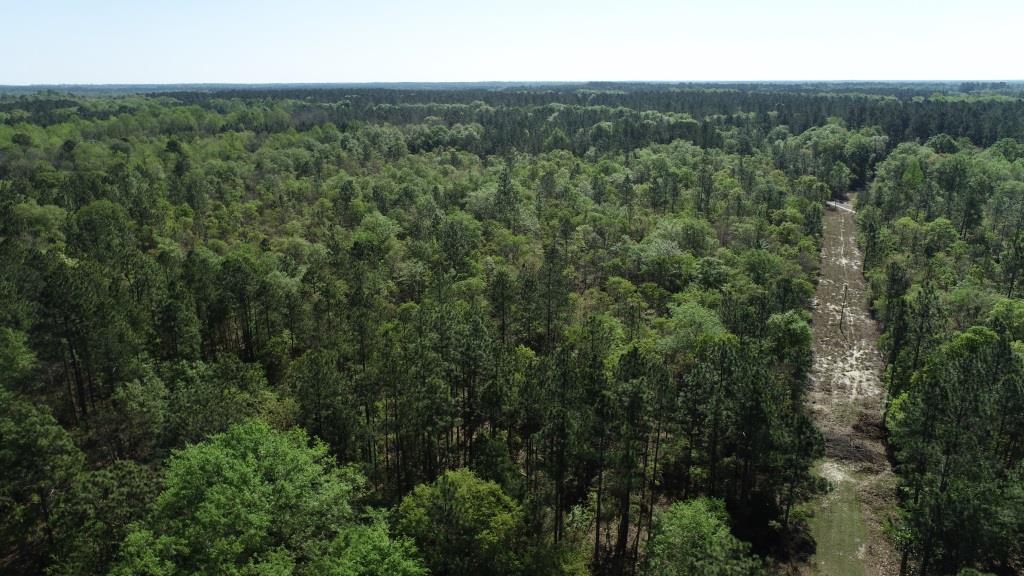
(847, 400)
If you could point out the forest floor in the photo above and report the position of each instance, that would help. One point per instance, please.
(847, 400)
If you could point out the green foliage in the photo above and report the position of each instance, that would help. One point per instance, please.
(324, 398)
(94, 516)
(135, 424)
(593, 299)
(368, 550)
(953, 457)
(692, 538)
(38, 462)
(942, 231)
(464, 525)
(16, 358)
(204, 399)
(255, 501)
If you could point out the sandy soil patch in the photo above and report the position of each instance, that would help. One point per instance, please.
(847, 399)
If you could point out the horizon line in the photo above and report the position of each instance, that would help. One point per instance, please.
(511, 82)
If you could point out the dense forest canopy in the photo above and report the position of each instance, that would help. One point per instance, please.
(943, 227)
(556, 329)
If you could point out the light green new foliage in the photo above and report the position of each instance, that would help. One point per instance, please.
(254, 501)
(369, 551)
(689, 321)
(16, 358)
(463, 525)
(692, 538)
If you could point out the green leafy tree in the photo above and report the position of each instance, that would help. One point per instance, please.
(16, 358)
(38, 463)
(325, 399)
(955, 428)
(464, 526)
(253, 500)
(133, 425)
(692, 538)
(369, 550)
(94, 515)
(205, 399)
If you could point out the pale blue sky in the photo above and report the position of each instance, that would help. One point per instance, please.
(162, 41)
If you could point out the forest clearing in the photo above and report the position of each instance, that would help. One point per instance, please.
(847, 402)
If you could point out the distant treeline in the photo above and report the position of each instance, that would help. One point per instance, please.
(525, 116)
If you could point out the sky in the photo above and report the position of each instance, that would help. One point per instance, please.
(252, 41)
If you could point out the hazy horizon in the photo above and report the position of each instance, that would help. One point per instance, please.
(399, 83)
(71, 42)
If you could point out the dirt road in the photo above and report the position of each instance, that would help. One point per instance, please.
(847, 400)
